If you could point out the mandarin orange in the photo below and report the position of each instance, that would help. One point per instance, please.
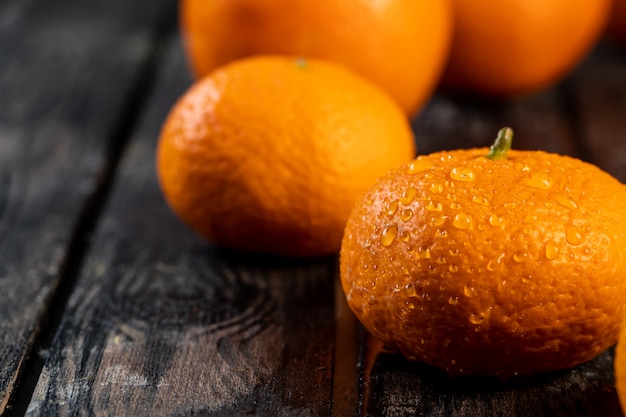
(507, 48)
(488, 266)
(269, 154)
(400, 45)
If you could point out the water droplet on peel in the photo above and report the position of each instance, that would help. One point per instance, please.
(530, 218)
(419, 165)
(441, 233)
(520, 257)
(369, 201)
(367, 244)
(565, 201)
(436, 188)
(405, 236)
(405, 270)
(468, 291)
(434, 206)
(538, 180)
(438, 220)
(440, 260)
(455, 206)
(423, 252)
(408, 196)
(454, 251)
(465, 174)
(409, 290)
(480, 200)
(496, 221)
(392, 208)
(453, 268)
(453, 300)
(476, 318)
(552, 250)
(406, 215)
(573, 235)
(388, 235)
(462, 221)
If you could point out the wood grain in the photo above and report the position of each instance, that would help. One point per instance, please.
(162, 323)
(67, 69)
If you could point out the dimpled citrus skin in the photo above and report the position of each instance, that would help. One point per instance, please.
(400, 45)
(268, 154)
(494, 268)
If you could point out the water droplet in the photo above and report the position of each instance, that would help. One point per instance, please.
(565, 201)
(409, 290)
(462, 221)
(548, 204)
(410, 306)
(453, 300)
(440, 260)
(493, 264)
(434, 206)
(465, 174)
(496, 221)
(392, 208)
(538, 180)
(480, 200)
(436, 188)
(408, 196)
(367, 244)
(476, 318)
(438, 220)
(510, 204)
(530, 218)
(441, 233)
(455, 206)
(520, 257)
(406, 215)
(468, 291)
(552, 250)
(405, 270)
(454, 251)
(369, 201)
(388, 235)
(573, 235)
(423, 252)
(419, 165)
(405, 236)
(453, 268)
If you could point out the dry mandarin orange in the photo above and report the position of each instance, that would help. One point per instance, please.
(269, 154)
(488, 266)
(400, 45)
(507, 48)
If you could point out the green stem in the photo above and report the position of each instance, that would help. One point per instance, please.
(501, 145)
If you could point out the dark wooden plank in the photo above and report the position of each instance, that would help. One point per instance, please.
(68, 67)
(550, 121)
(597, 96)
(162, 323)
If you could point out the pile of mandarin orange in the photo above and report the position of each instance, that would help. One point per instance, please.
(295, 140)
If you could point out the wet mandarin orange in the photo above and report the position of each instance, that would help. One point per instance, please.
(617, 22)
(507, 48)
(488, 266)
(400, 45)
(269, 154)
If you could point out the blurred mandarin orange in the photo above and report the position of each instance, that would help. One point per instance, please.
(507, 48)
(400, 45)
(504, 265)
(269, 154)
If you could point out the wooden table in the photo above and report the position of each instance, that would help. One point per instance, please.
(110, 306)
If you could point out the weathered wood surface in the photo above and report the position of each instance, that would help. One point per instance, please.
(67, 68)
(150, 320)
(163, 323)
